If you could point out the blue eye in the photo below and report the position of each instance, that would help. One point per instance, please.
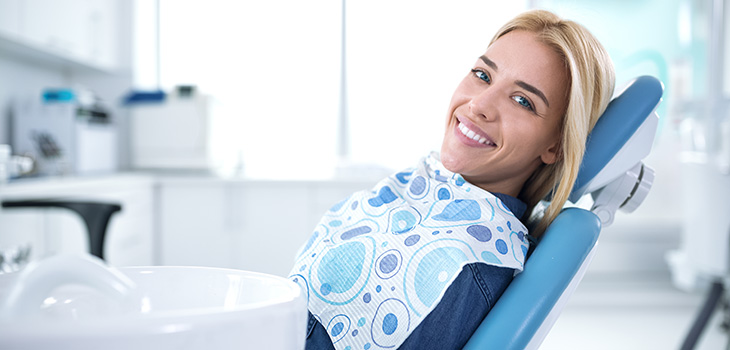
(523, 102)
(481, 75)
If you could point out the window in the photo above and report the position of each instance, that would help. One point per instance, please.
(273, 68)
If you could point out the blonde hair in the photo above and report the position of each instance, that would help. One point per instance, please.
(591, 84)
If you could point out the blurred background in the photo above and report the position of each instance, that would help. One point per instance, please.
(210, 121)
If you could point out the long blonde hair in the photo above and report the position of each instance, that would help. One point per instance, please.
(591, 84)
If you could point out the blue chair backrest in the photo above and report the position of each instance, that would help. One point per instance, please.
(622, 118)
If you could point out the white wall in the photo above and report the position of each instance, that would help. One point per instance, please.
(19, 79)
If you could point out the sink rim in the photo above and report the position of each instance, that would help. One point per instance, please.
(183, 316)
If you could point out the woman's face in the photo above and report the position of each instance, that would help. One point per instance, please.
(513, 100)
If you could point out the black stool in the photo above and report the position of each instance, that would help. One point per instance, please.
(96, 216)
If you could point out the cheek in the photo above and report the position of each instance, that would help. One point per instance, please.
(547, 141)
(453, 104)
(535, 136)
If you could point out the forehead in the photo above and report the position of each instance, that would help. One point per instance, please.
(520, 55)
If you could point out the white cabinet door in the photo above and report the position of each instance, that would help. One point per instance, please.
(195, 225)
(82, 31)
(10, 12)
(59, 26)
(104, 35)
(250, 225)
(275, 224)
(131, 236)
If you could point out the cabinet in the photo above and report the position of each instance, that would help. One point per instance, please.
(130, 238)
(247, 224)
(81, 34)
(255, 225)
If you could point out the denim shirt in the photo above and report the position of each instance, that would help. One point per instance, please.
(461, 310)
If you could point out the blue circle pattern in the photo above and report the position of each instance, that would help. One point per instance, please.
(388, 264)
(403, 219)
(411, 240)
(338, 275)
(390, 324)
(356, 237)
(442, 192)
(339, 280)
(418, 188)
(446, 262)
(338, 327)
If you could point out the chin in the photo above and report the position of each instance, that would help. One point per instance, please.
(451, 162)
(453, 157)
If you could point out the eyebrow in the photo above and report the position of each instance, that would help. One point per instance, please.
(519, 83)
(489, 62)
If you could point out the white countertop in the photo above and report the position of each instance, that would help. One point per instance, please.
(38, 187)
(70, 185)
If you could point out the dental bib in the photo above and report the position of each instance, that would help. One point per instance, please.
(380, 261)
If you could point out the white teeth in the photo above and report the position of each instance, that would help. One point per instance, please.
(472, 135)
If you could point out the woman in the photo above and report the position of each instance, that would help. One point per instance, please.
(419, 261)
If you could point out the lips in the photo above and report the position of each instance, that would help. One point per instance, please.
(471, 132)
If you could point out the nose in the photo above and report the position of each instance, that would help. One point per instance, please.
(485, 103)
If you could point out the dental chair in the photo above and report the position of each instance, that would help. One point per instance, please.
(613, 173)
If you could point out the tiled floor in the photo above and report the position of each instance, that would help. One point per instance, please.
(642, 312)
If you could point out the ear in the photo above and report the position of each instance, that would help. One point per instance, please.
(551, 154)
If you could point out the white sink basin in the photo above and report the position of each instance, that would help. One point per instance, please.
(70, 302)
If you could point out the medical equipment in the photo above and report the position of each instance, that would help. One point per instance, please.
(12, 166)
(613, 173)
(188, 114)
(65, 133)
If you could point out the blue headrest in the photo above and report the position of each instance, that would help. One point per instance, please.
(619, 122)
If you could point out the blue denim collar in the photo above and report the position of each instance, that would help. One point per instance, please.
(515, 205)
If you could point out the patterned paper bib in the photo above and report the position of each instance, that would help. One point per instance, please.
(380, 261)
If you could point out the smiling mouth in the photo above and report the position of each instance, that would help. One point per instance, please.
(474, 136)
